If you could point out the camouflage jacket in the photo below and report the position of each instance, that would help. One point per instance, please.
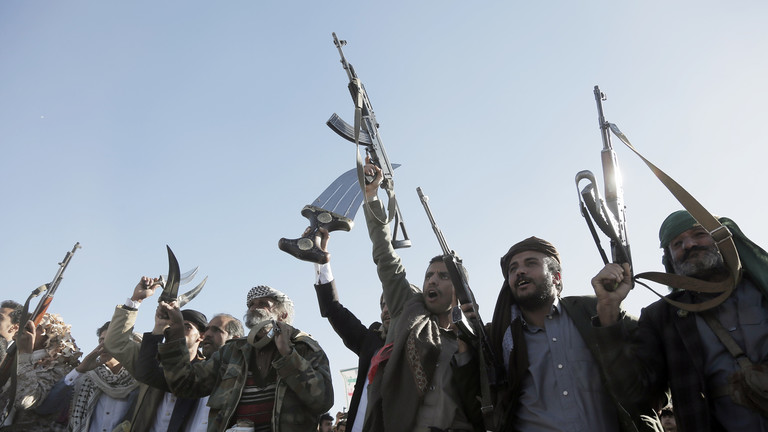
(303, 392)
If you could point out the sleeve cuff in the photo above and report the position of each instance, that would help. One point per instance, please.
(323, 273)
(131, 305)
(71, 377)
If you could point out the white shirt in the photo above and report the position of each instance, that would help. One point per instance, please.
(199, 421)
(107, 413)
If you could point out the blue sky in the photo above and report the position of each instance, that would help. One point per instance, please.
(127, 126)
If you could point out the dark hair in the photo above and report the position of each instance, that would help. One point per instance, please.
(554, 267)
(15, 316)
(439, 258)
(102, 329)
(326, 416)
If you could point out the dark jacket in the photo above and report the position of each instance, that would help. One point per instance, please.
(665, 349)
(130, 354)
(581, 310)
(361, 340)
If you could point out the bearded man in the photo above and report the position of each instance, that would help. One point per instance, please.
(277, 379)
(547, 343)
(682, 350)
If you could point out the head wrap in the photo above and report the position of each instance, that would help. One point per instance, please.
(261, 291)
(753, 258)
(530, 244)
(197, 318)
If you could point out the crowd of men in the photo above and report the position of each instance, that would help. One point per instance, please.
(564, 363)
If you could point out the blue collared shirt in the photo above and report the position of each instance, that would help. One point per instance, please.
(562, 389)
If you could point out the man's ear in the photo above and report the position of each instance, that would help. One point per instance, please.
(14, 328)
(558, 281)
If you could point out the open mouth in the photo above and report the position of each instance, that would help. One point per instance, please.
(520, 282)
(431, 294)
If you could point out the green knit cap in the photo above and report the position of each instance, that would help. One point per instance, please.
(674, 225)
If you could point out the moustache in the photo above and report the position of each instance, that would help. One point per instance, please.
(693, 249)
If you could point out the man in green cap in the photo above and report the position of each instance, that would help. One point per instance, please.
(677, 349)
(547, 345)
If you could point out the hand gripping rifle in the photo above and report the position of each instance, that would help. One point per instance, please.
(608, 214)
(365, 132)
(471, 331)
(8, 367)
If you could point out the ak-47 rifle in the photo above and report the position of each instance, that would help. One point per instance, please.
(609, 214)
(365, 132)
(471, 330)
(7, 369)
(50, 288)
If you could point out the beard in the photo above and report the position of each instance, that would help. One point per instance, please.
(255, 317)
(706, 264)
(544, 292)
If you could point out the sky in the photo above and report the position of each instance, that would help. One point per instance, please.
(129, 126)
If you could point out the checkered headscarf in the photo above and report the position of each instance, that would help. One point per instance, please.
(261, 291)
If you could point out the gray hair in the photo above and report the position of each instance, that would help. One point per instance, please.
(234, 326)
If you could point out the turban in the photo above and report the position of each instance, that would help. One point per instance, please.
(196, 318)
(530, 244)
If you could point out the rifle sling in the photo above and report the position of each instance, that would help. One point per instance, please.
(486, 407)
(718, 231)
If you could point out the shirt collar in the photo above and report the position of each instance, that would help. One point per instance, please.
(517, 313)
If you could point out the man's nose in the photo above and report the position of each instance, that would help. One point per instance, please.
(689, 242)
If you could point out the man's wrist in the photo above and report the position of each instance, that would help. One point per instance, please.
(132, 304)
(323, 272)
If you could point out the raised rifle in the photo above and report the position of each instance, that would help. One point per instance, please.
(610, 213)
(471, 330)
(8, 367)
(366, 132)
